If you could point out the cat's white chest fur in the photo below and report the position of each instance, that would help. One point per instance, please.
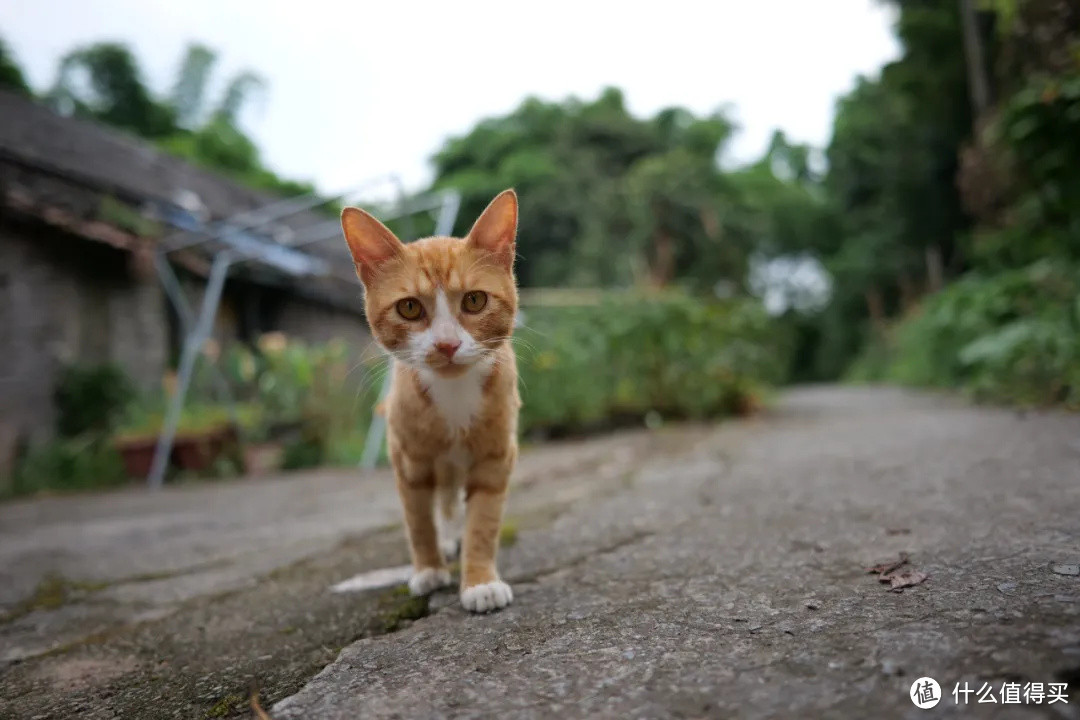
(458, 400)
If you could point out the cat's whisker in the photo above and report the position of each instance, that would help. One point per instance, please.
(531, 329)
(351, 370)
(372, 374)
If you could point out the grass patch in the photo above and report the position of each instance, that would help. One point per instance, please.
(226, 706)
(399, 607)
(508, 533)
(53, 591)
(63, 464)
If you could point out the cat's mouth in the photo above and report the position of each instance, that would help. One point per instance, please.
(448, 368)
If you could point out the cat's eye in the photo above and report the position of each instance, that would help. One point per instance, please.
(474, 301)
(410, 308)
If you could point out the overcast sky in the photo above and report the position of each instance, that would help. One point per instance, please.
(359, 89)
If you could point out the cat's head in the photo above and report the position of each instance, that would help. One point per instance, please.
(440, 303)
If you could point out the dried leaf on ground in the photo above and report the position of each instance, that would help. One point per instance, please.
(910, 578)
(887, 567)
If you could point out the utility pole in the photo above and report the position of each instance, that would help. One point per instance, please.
(978, 84)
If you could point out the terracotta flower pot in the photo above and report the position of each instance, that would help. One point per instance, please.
(199, 451)
(137, 455)
(262, 458)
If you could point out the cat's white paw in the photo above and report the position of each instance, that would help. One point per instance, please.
(489, 596)
(428, 580)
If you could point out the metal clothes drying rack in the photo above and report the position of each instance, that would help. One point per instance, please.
(238, 242)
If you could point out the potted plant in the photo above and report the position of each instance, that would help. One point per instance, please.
(203, 436)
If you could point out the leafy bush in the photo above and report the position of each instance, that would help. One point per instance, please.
(68, 464)
(303, 453)
(147, 418)
(91, 398)
(623, 359)
(310, 390)
(1012, 336)
(1032, 144)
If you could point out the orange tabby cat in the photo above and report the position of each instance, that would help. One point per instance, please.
(444, 309)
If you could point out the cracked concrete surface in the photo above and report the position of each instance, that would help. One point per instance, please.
(692, 572)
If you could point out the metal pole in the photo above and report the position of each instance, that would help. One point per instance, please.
(403, 209)
(267, 214)
(175, 293)
(448, 213)
(377, 430)
(975, 58)
(331, 229)
(197, 330)
(192, 346)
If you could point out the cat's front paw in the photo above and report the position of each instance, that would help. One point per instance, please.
(428, 580)
(488, 596)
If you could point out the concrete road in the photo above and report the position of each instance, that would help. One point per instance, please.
(691, 572)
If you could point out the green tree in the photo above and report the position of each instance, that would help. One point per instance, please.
(11, 75)
(240, 91)
(612, 199)
(103, 81)
(189, 93)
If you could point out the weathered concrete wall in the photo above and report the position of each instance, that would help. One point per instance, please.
(65, 300)
(248, 310)
(316, 323)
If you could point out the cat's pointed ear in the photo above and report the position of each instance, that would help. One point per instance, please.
(370, 242)
(496, 228)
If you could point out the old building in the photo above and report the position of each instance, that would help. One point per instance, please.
(83, 211)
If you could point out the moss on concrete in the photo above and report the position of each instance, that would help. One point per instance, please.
(400, 608)
(226, 706)
(508, 533)
(53, 591)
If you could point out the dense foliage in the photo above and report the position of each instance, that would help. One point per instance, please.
(617, 201)
(1009, 329)
(631, 358)
(942, 221)
(11, 75)
(1012, 336)
(91, 398)
(90, 402)
(82, 463)
(317, 397)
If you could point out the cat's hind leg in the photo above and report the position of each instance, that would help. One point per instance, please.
(449, 500)
(449, 521)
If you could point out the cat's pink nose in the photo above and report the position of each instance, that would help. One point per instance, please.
(447, 348)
